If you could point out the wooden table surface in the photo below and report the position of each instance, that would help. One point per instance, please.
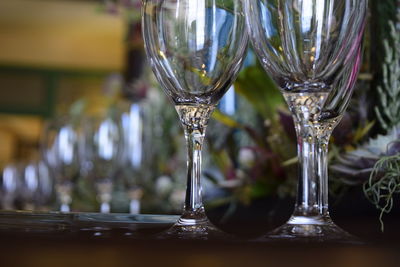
(118, 246)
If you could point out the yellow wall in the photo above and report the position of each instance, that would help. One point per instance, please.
(67, 34)
(19, 136)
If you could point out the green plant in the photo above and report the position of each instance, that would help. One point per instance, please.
(388, 110)
(376, 163)
(384, 181)
(383, 184)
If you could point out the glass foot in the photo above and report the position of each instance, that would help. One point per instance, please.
(192, 229)
(301, 229)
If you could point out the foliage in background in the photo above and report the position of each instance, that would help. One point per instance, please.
(388, 109)
(376, 163)
(384, 181)
(381, 12)
(252, 154)
(383, 184)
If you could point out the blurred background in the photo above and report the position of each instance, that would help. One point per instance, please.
(55, 54)
(85, 127)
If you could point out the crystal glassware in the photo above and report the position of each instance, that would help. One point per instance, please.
(137, 151)
(36, 187)
(312, 49)
(100, 151)
(10, 186)
(30, 186)
(46, 186)
(196, 49)
(60, 145)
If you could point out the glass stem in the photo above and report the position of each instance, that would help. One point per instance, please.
(322, 163)
(65, 208)
(312, 147)
(193, 201)
(134, 206)
(64, 191)
(312, 195)
(194, 119)
(105, 207)
(104, 188)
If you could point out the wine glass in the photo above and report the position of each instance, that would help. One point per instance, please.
(137, 151)
(60, 144)
(45, 190)
(312, 50)
(196, 49)
(36, 186)
(101, 154)
(10, 186)
(30, 186)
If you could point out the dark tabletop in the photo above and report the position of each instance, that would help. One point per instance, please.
(90, 239)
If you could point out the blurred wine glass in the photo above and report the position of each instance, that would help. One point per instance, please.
(60, 144)
(101, 154)
(10, 186)
(30, 186)
(45, 191)
(136, 151)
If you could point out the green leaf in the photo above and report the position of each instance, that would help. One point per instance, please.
(225, 119)
(205, 80)
(260, 90)
(261, 189)
(230, 122)
(226, 4)
(290, 162)
(210, 177)
(361, 132)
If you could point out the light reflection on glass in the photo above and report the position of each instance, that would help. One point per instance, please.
(66, 140)
(307, 14)
(10, 178)
(105, 139)
(31, 178)
(133, 127)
